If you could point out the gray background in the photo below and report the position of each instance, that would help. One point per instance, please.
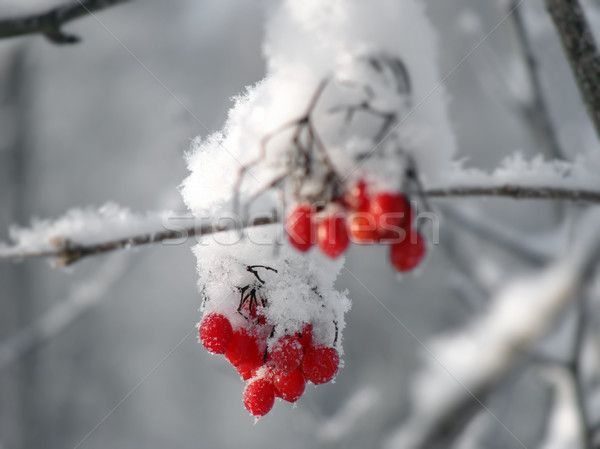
(87, 124)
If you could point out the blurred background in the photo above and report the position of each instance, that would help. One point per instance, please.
(110, 119)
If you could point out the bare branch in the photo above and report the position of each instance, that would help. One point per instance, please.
(581, 50)
(518, 192)
(49, 23)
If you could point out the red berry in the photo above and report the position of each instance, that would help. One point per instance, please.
(290, 386)
(243, 349)
(259, 396)
(406, 255)
(305, 336)
(248, 370)
(390, 211)
(363, 228)
(301, 228)
(357, 198)
(320, 364)
(286, 353)
(215, 333)
(332, 235)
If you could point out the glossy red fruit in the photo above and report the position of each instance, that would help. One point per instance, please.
(390, 211)
(305, 336)
(320, 364)
(289, 386)
(300, 228)
(332, 235)
(215, 333)
(357, 198)
(286, 353)
(259, 396)
(362, 228)
(406, 255)
(248, 370)
(243, 349)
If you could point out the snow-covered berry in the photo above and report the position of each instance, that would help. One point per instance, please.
(286, 353)
(215, 333)
(320, 364)
(259, 396)
(244, 348)
(289, 386)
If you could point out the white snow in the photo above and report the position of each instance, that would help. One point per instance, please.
(301, 291)
(306, 43)
(516, 170)
(83, 226)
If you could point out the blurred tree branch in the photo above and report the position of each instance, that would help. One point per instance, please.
(581, 50)
(49, 23)
(537, 111)
(492, 345)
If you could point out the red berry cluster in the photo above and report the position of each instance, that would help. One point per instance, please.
(280, 369)
(386, 217)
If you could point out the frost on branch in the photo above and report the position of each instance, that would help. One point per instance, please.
(537, 172)
(82, 226)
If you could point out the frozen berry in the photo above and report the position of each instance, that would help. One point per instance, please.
(390, 211)
(286, 353)
(320, 364)
(290, 386)
(406, 255)
(300, 228)
(305, 336)
(332, 235)
(357, 198)
(363, 228)
(215, 333)
(259, 396)
(248, 370)
(243, 348)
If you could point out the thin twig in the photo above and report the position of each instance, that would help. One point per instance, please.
(582, 52)
(50, 22)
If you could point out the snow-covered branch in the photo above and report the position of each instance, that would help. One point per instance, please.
(49, 23)
(466, 366)
(115, 229)
(83, 233)
(577, 39)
